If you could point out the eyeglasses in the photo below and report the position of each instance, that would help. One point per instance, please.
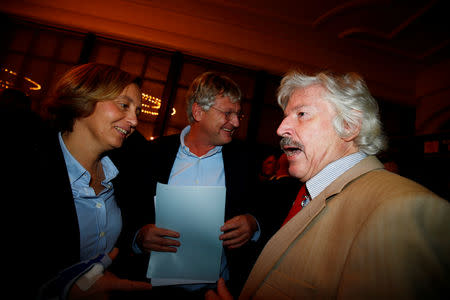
(229, 114)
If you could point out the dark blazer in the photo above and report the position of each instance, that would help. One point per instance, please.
(240, 179)
(277, 197)
(46, 235)
(239, 172)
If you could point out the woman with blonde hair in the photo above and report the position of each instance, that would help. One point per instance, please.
(73, 204)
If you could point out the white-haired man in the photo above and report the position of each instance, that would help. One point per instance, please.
(361, 231)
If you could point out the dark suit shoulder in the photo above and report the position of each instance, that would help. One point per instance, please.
(166, 145)
(134, 149)
(238, 146)
(237, 143)
(166, 140)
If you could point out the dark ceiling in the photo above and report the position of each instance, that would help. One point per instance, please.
(412, 29)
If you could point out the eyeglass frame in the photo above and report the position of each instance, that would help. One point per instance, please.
(229, 114)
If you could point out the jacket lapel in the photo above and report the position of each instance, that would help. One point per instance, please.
(278, 244)
(287, 234)
(168, 145)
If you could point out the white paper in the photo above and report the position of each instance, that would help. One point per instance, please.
(197, 213)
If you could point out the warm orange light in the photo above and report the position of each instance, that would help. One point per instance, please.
(7, 84)
(151, 105)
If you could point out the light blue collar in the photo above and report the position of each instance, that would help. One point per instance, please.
(76, 170)
(186, 150)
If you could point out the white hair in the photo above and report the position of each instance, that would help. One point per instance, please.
(352, 101)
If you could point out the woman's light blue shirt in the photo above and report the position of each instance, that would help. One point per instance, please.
(99, 217)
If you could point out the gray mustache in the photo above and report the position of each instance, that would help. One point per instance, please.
(287, 141)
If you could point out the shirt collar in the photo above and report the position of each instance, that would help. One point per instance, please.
(76, 170)
(331, 172)
(185, 149)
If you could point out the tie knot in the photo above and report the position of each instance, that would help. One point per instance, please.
(301, 201)
(305, 196)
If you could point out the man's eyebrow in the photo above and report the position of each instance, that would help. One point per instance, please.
(295, 108)
(300, 106)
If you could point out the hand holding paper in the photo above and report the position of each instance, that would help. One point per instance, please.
(152, 238)
(238, 230)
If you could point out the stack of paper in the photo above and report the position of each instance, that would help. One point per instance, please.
(197, 213)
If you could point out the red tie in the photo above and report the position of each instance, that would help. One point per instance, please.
(297, 206)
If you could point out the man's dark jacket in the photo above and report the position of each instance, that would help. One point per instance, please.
(155, 165)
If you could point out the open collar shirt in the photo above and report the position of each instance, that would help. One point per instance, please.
(189, 169)
(331, 172)
(99, 217)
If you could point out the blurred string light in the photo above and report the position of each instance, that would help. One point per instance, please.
(150, 104)
(5, 84)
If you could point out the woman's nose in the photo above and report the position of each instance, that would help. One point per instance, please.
(132, 119)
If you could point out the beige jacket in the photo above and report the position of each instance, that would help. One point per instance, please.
(369, 234)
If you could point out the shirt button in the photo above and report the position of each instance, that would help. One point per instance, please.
(98, 205)
(102, 234)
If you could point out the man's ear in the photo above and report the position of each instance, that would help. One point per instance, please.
(197, 112)
(351, 131)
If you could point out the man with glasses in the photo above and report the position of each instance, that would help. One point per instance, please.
(205, 155)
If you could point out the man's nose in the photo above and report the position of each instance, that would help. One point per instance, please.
(283, 129)
(234, 120)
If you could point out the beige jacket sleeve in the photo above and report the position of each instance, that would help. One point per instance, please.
(401, 252)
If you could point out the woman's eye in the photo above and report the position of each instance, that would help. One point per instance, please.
(124, 105)
(300, 114)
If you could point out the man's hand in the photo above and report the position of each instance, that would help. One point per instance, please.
(108, 283)
(152, 238)
(222, 292)
(238, 230)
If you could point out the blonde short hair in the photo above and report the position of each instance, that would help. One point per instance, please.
(79, 89)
